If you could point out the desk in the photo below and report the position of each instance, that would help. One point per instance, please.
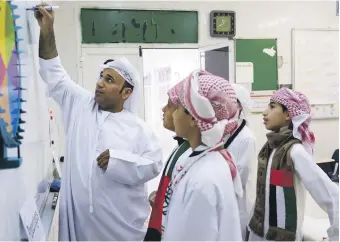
(327, 160)
(328, 166)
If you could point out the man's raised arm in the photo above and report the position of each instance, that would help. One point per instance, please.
(60, 86)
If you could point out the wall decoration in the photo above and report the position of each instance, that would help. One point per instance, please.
(10, 86)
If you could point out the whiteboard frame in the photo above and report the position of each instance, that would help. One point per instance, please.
(293, 31)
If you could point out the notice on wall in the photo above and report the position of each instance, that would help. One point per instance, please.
(244, 72)
(31, 221)
(260, 100)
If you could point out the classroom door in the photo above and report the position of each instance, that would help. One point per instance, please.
(92, 58)
(163, 69)
(219, 59)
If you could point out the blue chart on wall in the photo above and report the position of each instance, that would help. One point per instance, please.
(10, 86)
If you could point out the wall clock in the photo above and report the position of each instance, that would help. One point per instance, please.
(222, 24)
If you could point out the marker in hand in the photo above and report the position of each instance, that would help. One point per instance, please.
(48, 8)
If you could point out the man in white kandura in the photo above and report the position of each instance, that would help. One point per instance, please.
(110, 152)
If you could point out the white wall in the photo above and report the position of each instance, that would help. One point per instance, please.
(254, 19)
(17, 184)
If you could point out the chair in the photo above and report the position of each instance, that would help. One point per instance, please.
(334, 175)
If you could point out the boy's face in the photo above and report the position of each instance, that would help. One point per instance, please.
(184, 122)
(168, 110)
(274, 117)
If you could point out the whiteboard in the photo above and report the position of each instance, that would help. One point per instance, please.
(315, 63)
(19, 184)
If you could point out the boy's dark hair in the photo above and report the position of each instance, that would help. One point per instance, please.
(126, 84)
(285, 109)
(187, 112)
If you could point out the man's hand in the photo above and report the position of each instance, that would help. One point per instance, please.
(103, 159)
(47, 45)
(45, 18)
(152, 197)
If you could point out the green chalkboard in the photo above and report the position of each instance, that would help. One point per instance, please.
(259, 52)
(138, 26)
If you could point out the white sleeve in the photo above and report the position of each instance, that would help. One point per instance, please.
(132, 169)
(60, 86)
(245, 156)
(320, 187)
(246, 166)
(252, 175)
